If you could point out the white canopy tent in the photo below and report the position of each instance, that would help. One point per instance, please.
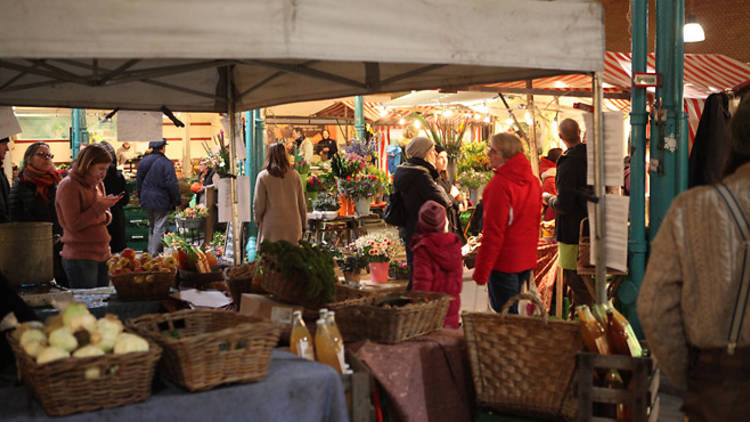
(187, 54)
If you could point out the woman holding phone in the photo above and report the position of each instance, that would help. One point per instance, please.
(83, 212)
(114, 183)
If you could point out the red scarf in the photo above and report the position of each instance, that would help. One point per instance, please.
(42, 179)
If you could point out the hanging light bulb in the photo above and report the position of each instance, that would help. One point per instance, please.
(528, 118)
(486, 119)
(402, 121)
(693, 31)
(477, 116)
(448, 113)
(509, 121)
(383, 112)
(417, 125)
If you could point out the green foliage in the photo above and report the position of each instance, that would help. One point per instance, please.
(474, 157)
(382, 176)
(325, 202)
(472, 179)
(445, 131)
(304, 263)
(343, 167)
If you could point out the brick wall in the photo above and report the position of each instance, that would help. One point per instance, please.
(725, 22)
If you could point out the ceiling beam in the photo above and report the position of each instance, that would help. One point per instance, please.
(409, 74)
(372, 75)
(32, 70)
(300, 69)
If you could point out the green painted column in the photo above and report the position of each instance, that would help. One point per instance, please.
(359, 116)
(637, 244)
(79, 134)
(255, 142)
(666, 146)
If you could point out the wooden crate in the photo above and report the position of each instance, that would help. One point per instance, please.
(358, 390)
(643, 396)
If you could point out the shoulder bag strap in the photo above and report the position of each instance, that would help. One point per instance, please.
(740, 306)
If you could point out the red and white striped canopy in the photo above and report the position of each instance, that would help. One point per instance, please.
(344, 109)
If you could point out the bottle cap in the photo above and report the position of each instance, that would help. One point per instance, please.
(296, 313)
(320, 321)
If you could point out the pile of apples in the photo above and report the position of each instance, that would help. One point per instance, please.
(128, 261)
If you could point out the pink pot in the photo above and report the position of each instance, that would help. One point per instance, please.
(379, 272)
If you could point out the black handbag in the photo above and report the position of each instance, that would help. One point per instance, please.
(395, 213)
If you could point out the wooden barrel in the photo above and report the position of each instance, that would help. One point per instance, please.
(26, 253)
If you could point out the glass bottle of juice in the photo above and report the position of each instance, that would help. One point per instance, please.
(326, 347)
(617, 337)
(300, 341)
(594, 336)
(338, 339)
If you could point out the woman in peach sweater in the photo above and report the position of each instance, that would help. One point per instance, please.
(83, 212)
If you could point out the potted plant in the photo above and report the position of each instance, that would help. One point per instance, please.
(473, 180)
(448, 132)
(327, 205)
(219, 159)
(342, 167)
(379, 249)
(398, 270)
(352, 265)
(360, 189)
(301, 273)
(313, 186)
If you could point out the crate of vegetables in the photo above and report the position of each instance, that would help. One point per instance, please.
(392, 317)
(141, 276)
(76, 363)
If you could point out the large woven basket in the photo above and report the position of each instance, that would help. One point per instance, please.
(155, 289)
(62, 389)
(362, 318)
(523, 365)
(288, 290)
(205, 348)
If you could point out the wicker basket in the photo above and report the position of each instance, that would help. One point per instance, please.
(238, 286)
(129, 290)
(292, 291)
(62, 389)
(347, 292)
(194, 279)
(523, 365)
(361, 318)
(205, 348)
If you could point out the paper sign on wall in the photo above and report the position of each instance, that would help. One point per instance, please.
(9, 125)
(616, 210)
(139, 126)
(225, 199)
(239, 145)
(613, 137)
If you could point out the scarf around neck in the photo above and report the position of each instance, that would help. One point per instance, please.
(42, 179)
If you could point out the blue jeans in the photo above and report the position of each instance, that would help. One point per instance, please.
(157, 226)
(503, 286)
(85, 273)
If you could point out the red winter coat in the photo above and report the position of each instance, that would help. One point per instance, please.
(547, 172)
(438, 267)
(512, 204)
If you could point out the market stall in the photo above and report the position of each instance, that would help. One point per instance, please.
(138, 56)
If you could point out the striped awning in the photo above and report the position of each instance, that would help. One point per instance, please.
(344, 109)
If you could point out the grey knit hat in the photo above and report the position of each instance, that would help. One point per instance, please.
(418, 147)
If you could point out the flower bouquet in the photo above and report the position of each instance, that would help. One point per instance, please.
(219, 160)
(474, 157)
(363, 148)
(199, 211)
(314, 185)
(301, 166)
(473, 179)
(359, 187)
(379, 249)
(348, 165)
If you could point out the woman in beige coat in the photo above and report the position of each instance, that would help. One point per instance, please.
(280, 205)
(690, 289)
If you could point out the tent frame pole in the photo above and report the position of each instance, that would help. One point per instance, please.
(599, 190)
(236, 229)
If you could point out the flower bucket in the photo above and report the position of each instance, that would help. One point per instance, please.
(379, 272)
(363, 206)
(352, 276)
(346, 206)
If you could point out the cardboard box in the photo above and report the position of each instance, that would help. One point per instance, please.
(267, 309)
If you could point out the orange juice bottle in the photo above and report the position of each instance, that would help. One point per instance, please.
(300, 341)
(337, 337)
(326, 347)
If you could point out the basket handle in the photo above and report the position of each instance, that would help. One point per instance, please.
(225, 272)
(539, 306)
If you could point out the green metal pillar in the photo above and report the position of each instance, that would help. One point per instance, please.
(359, 116)
(666, 126)
(256, 145)
(79, 134)
(680, 116)
(637, 244)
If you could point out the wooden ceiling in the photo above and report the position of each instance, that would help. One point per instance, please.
(725, 22)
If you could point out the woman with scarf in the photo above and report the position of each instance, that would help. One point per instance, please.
(32, 198)
(83, 211)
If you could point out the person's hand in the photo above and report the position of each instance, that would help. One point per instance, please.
(108, 201)
(546, 196)
(325, 149)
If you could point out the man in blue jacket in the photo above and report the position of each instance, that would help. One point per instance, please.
(158, 192)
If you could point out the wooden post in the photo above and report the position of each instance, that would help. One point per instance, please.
(533, 147)
(558, 291)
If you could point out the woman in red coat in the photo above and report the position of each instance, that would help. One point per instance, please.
(512, 204)
(437, 264)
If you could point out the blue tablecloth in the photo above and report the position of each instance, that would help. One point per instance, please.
(294, 390)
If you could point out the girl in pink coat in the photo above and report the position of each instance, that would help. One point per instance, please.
(437, 266)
